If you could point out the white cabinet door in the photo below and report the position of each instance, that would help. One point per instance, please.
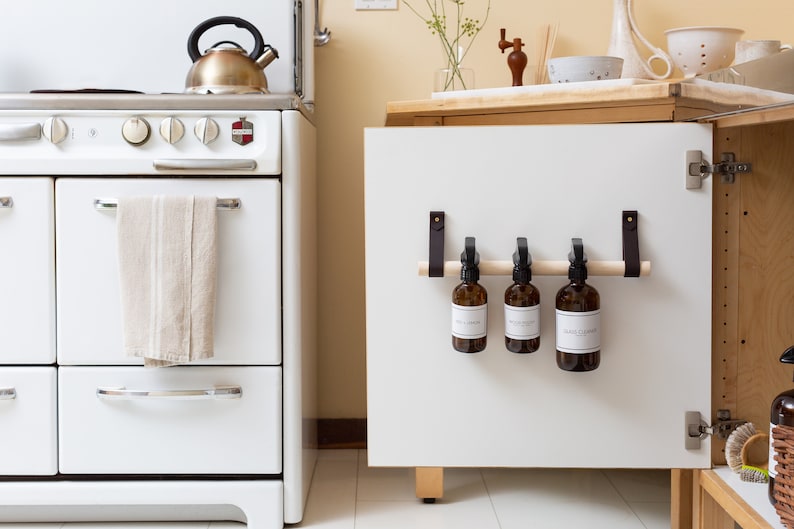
(28, 421)
(108, 424)
(429, 405)
(248, 306)
(27, 272)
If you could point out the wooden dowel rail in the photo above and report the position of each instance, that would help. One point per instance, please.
(540, 268)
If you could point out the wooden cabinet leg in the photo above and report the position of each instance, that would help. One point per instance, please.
(429, 483)
(681, 498)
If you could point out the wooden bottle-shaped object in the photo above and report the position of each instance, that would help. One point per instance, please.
(517, 60)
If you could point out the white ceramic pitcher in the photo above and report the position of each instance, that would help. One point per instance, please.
(621, 44)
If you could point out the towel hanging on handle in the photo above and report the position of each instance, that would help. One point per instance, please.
(167, 271)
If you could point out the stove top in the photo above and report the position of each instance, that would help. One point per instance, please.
(86, 91)
(102, 99)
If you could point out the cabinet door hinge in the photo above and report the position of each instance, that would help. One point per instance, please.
(697, 428)
(698, 169)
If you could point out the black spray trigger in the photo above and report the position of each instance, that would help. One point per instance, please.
(577, 255)
(521, 257)
(469, 256)
(522, 261)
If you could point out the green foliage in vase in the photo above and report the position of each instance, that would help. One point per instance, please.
(455, 40)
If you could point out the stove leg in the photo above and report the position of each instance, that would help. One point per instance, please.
(429, 483)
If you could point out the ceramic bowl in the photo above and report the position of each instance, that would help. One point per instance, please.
(701, 49)
(584, 68)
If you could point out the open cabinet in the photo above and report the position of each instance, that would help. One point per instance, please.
(712, 315)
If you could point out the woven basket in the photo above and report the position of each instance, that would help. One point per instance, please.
(783, 444)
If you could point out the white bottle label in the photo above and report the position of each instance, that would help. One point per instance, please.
(578, 332)
(772, 466)
(522, 323)
(469, 322)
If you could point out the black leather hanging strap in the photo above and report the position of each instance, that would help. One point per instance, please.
(631, 244)
(436, 261)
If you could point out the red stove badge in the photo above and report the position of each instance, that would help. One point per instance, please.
(242, 132)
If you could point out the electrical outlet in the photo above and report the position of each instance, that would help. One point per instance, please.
(374, 5)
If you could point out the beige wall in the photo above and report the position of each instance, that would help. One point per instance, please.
(379, 56)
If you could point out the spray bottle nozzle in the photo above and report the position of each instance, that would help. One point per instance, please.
(522, 261)
(469, 260)
(578, 260)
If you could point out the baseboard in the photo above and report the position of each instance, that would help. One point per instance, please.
(342, 433)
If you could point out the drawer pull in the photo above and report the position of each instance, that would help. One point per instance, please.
(112, 203)
(201, 164)
(6, 202)
(8, 393)
(214, 393)
(20, 131)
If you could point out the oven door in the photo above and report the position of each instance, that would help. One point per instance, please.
(248, 305)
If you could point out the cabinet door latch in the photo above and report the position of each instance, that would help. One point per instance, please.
(698, 169)
(697, 428)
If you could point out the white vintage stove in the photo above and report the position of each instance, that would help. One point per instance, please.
(90, 434)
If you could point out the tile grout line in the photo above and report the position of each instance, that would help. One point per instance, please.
(625, 501)
(490, 498)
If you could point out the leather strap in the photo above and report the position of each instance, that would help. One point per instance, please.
(631, 245)
(436, 261)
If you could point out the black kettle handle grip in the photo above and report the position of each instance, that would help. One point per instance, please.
(192, 41)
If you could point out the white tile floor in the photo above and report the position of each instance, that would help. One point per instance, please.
(347, 494)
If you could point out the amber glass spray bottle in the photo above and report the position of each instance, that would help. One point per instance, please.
(781, 412)
(522, 304)
(469, 304)
(578, 317)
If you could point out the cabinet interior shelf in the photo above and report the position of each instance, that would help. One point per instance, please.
(540, 268)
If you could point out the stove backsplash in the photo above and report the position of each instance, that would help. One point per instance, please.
(142, 45)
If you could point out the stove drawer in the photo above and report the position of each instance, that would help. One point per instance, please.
(177, 420)
(27, 304)
(248, 305)
(28, 421)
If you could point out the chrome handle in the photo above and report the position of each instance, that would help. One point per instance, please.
(214, 393)
(8, 393)
(321, 38)
(20, 131)
(6, 202)
(112, 203)
(202, 164)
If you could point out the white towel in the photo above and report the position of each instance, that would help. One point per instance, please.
(167, 270)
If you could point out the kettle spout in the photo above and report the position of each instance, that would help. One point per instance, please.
(270, 54)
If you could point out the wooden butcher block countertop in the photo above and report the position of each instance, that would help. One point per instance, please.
(614, 101)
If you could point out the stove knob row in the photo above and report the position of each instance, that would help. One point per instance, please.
(136, 131)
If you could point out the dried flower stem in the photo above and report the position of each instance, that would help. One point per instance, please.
(454, 45)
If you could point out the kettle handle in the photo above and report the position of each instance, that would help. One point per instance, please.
(192, 41)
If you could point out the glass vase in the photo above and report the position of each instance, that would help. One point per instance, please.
(453, 77)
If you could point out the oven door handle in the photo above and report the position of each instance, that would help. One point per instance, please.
(113, 203)
(8, 393)
(20, 131)
(205, 164)
(213, 393)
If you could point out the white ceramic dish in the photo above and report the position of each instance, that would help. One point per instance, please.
(700, 49)
(579, 68)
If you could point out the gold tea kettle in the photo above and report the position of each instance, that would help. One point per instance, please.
(226, 68)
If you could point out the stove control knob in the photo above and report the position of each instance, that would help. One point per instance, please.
(207, 130)
(55, 130)
(172, 130)
(136, 131)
